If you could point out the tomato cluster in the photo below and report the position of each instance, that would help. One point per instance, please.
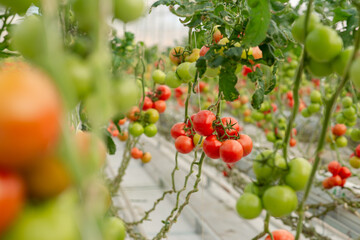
(348, 114)
(315, 105)
(138, 154)
(339, 175)
(338, 135)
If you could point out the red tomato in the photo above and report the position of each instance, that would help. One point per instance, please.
(136, 153)
(339, 129)
(204, 49)
(344, 173)
(231, 151)
(148, 103)
(177, 130)
(334, 167)
(122, 121)
(212, 146)
(160, 106)
(184, 144)
(281, 235)
(203, 121)
(217, 36)
(246, 70)
(163, 92)
(231, 127)
(292, 142)
(179, 92)
(246, 144)
(327, 184)
(192, 120)
(134, 113)
(12, 198)
(274, 107)
(289, 95)
(357, 151)
(343, 182)
(335, 180)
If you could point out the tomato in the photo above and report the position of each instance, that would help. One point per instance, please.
(125, 94)
(314, 108)
(152, 115)
(280, 201)
(298, 30)
(194, 56)
(268, 166)
(184, 144)
(257, 116)
(12, 198)
(339, 63)
(355, 72)
(128, 10)
(150, 130)
(335, 181)
(327, 184)
(281, 235)
(48, 178)
(204, 49)
(123, 136)
(346, 102)
(246, 143)
(257, 53)
(134, 113)
(315, 96)
(344, 173)
(177, 130)
(146, 157)
(299, 173)
(217, 36)
(323, 44)
(341, 141)
(357, 151)
(334, 167)
(122, 121)
(212, 146)
(183, 72)
(158, 76)
(136, 129)
(231, 151)
(172, 80)
(338, 129)
(354, 162)
(196, 140)
(176, 55)
(203, 122)
(160, 106)
(30, 116)
(292, 142)
(163, 92)
(231, 127)
(249, 206)
(148, 103)
(114, 228)
(319, 69)
(136, 153)
(349, 113)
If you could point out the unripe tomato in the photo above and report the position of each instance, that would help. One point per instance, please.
(152, 115)
(339, 63)
(150, 130)
(136, 129)
(176, 55)
(346, 102)
(344, 173)
(125, 94)
(203, 122)
(231, 151)
(212, 146)
(319, 69)
(195, 54)
(341, 141)
(281, 235)
(184, 144)
(84, 144)
(146, 157)
(246, 143)
(123, 136)
(355, 162)
(268, 166)
(280, 201)
(249, 206)
(128, 10)
(172, 80)
(323, 44)
(339, 129)
(136, 153)
(163, 92)
(299, 173)
(158, 76)
(298, 29)
(183, 71)
(334, 167)
(355, 72)
(114, 228)
(160, 106)
(196, 140)
(315, 96)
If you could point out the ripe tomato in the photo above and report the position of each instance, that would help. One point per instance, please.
(136, 153)
(128, 10)
(246, 143)
(12, 198)
(212, 146)
(280, 201)
(339, 129)
(217, 36)
(134, 113)
(136, 129)
(249, 206)
(160, 106)
(122, 121)
(344, 173)
(327, 184)
(357, 151)
(292, 142)
(177, 130)
(176, 55)
(231, 151)
(335, 181)
(281, 235)
(184, 144)
(203, 122)
(123, 136)
(163, 92)
(298, 175)
(148, 103)
(146, 157)
(204, 49)
(30, 115)
(231, 127)
(150, 130)
(334, 167)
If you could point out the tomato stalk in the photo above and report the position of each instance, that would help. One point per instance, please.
(187, 101)
(328, 110)
(266, 229)
(298, 76)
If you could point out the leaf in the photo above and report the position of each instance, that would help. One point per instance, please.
(234, 53)
(201, 66)
(258, 25)
(343, 14)
(111, 147)
(227, 82)
(217, 61)
(195, 21)
(257, 98)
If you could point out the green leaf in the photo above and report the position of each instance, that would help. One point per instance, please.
(201, 66)
(234, 53)
(227, 82)
(258, 25)
(110, 145)
(257, 98)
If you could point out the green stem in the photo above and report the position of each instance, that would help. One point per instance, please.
(326, 121)
(187, 101)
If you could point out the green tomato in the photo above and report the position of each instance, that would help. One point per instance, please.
(314, 108)
(136, 129)
(249, 206)
(350, 123)
(298, 175)
(346, 102)
(158, 76)
(268, 117)
(355, 135)
(323, 44)
(339, 63)
(265, 106)
(125, 94)
(305, 113)
(85, 10)
(192, 70)
(341, 141)
(183, 72)
(150, 130)
(152, 115)
(315, 96)
(349, 113)
(340, 118)
(298, 30)
(114, 229)
(355, 72)
(268, 167)
(257, 116)
(270, 136)
(172, 80)
(128, 10)
(354, 162)
(255, 189)
(319, 69)
(280, 201)
(81, 76)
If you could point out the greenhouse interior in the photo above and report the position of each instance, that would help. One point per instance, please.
(179, 119)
